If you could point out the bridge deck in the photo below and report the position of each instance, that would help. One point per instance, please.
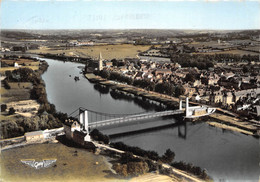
(134, 118)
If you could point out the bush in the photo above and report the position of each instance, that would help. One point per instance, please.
(11, 111)
(98, 136)
(136, 150)
(152, 166)
(120, 169)
(191, 169)
(137, 168)
(131, 168)
(128, 157)
(6, 85)
(3, 107)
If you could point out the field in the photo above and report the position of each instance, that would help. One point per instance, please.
(85, 166)
(239, 52)
(256, 48)
(2, 91)
(19, 85)
(18, 96)
(3, 69)
(119, 51)
(13, 94)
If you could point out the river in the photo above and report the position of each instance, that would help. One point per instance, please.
(226, 155)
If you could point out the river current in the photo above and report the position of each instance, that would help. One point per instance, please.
(226, 155)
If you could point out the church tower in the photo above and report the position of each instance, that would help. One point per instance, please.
(100, 62)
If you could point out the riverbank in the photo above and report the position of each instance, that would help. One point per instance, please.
(163, 171)
(104, 157)
(25, 95)
(225, 121)
(234, 124)
(165, 99)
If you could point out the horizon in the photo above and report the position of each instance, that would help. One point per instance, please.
(130, 15)
(136, 29)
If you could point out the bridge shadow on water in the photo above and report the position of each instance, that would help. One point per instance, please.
(180, 125)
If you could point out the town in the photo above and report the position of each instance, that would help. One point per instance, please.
(216, 73)
(229, 85)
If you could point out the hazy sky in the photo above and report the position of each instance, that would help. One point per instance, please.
(81, 14)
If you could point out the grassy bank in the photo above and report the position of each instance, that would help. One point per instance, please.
(73, 164)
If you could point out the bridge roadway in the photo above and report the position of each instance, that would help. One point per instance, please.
(134, 118)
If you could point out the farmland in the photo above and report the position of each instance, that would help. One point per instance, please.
(118, 51)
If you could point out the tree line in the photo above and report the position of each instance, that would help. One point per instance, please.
(145, 164)
(47, 116)
(163, 88)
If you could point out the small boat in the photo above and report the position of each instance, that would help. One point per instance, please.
(76, 78)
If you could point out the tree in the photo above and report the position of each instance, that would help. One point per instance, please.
(11, 111)
(104, 74)
(168, 156)
(98, 136)
(3, 107)
(245, 69)
(128, 157)
(6, 85)
(189, 78)
(204, 174)
(179, 90)
(120, 169)
(136, 168)
(115, 62)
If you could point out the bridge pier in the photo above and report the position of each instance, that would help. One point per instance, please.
(83, 119)
(180, 104)
(187, 106)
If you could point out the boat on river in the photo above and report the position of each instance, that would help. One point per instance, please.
(76, 78)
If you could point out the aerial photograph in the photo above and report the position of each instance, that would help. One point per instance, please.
(130, 91)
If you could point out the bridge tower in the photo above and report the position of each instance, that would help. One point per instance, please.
(83, 119)
(180, 104)
(187, 106)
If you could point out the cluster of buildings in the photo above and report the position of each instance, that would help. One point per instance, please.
(81, 43)
(42, 135)
(230, 88)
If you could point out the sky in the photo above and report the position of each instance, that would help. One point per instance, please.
(131, 14)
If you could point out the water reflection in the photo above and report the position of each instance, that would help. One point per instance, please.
(182, 130)
(101, 88)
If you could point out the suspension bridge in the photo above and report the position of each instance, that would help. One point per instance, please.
(92, 119)
(89, 119)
